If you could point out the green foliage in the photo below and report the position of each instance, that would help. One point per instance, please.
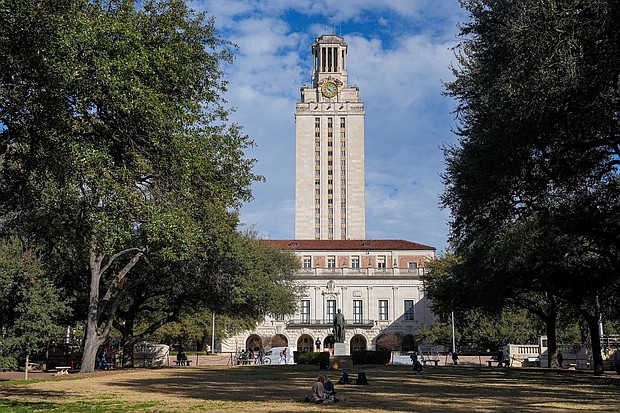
(33, 307)
(485, 331)
(371, 357)
(312, 358)
(8, 363)
(533, 184)
(117, 155)
(439, 333)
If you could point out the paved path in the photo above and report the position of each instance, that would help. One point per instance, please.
(212, 360)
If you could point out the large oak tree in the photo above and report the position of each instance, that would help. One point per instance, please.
(116, 152)
(539, 95)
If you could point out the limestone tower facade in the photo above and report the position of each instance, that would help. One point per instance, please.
(329, 167)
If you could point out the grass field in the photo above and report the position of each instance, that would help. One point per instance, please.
(282, 389)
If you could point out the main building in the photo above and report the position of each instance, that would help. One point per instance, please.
(377, 283)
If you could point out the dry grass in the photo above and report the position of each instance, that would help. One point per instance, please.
(282, 389)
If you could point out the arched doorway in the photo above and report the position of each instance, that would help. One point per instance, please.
(305, 343)
(329, 341)
(279, 340)
(409, 343)
(254, 342)
(358, 343)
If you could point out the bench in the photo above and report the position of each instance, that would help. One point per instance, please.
(494, 360)
(62, 370)
(33, 366)
(183, 362)
(434, 361)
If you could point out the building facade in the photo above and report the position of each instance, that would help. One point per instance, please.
(376, 283)
(329, 128)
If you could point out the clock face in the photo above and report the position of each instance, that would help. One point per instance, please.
(329, 89)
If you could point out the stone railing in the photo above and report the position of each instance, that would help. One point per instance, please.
(362, 272)
(319, 323)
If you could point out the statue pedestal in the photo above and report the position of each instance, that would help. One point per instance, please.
(340, 349)
(340, 361)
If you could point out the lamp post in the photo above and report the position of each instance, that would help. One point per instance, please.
(213, 334)
(453, 340)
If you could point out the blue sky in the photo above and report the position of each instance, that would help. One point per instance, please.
(399, 54)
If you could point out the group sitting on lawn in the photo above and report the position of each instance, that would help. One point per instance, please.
(323, 391)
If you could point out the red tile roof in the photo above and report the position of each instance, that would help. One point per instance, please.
(335, 245)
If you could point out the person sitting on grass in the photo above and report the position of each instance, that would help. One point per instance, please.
(317, 394)
(345, 378)
(330, 390)
(361, 378)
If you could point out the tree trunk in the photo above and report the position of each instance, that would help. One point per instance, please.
(92, 341)
(552, 339)
(597, 357)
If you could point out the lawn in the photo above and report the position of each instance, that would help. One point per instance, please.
(282, 389)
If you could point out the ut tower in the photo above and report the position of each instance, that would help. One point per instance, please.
(329, 169)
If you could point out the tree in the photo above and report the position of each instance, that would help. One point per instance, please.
(32, 306)
(390, 341)
(244, 279)
(116, 148)
(538, 92)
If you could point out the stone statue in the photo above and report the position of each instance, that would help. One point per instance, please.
(339, 324)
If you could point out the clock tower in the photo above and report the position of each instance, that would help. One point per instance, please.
(329, 169)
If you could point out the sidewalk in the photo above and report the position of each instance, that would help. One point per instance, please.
(213, 360)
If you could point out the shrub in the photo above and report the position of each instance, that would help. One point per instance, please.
(371, 357)
(310, 357)
(8, 363)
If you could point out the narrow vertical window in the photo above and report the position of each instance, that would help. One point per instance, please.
(408, 315)
(305, 311)
(358, 317)
(330, 311)
(383, 310)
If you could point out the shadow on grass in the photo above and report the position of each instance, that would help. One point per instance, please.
(440, 389)
(392, 388)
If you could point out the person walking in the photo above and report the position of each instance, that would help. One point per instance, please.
(455, 358)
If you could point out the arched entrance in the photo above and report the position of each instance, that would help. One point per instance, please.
(254, 342)
(305, 343)
(328, 342)
(409, 343)
(279, 340)
(358, 343)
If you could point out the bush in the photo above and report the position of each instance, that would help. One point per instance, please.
(310, 357)
(8, 363)
(371, 357)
